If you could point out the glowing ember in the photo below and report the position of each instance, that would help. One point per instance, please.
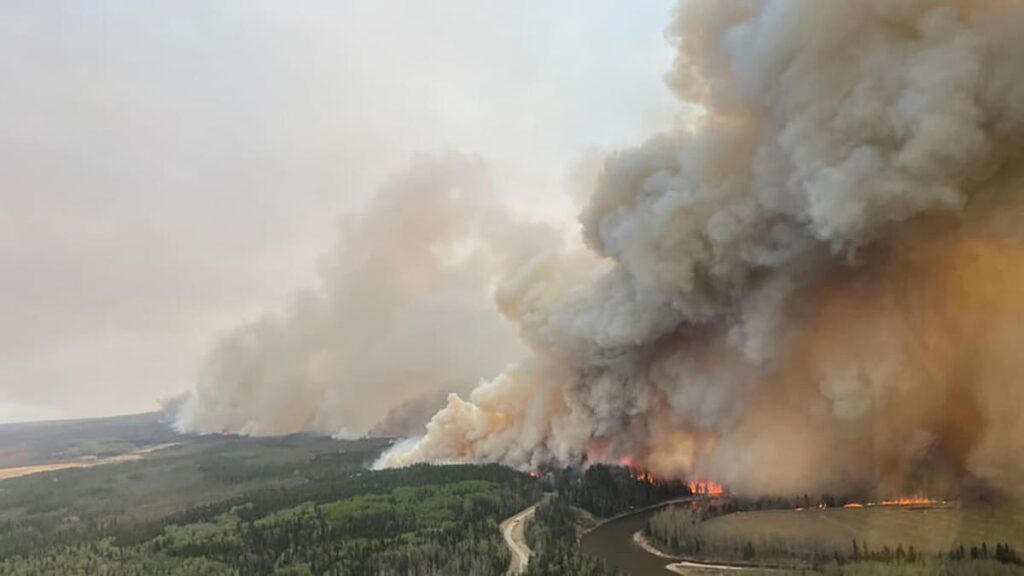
(534, 474)
(901, 501)
(911, 501)
(706, 488)
(642, 475)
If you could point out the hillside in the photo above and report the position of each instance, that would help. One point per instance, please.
(41, 443)
(225, 505)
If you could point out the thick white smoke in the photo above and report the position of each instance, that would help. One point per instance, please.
(814, 287)
(404, 314)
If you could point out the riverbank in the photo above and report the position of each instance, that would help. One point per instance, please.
(598, 522)
(611, 540)
(640, 540)
(682, 565)
(621, 543)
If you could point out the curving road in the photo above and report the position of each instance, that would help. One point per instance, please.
(514, 531)
(685, 567)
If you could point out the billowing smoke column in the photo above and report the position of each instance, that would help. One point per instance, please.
(819, 286)
(378, 343)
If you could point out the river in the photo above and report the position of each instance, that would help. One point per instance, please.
(613, 543)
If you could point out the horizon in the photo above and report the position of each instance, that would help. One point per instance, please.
(155, 199)
(591, 288)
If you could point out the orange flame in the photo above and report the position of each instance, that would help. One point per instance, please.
(642, 475)
(703, 488)
(910, 501)
(900, 501)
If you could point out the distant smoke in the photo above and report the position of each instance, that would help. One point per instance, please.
(817, 287)
(410, 417)
(404, 313)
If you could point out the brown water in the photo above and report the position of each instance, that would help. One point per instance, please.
(613, 543)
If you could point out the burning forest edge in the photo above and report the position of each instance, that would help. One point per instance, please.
(825, 260)
(300, 499)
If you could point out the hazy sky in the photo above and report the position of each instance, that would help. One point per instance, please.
(172, 168)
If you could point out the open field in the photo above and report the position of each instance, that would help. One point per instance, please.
(60, 442)
(135, 469)
(146, 484)
(929, 539)
(928, 529)
(82, 462)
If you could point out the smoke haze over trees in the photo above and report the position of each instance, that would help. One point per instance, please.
(403, 314)
(813, 286)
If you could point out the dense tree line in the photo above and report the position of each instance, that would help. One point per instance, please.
(609, 490)
(421, 520)
(553, 536)
(339, 518)
(131, 501)
(321, 485)
(1002, 553)
(604, 491)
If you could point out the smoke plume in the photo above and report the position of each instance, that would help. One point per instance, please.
(403, 314)
(816, 287)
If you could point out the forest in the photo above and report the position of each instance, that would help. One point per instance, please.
(304, 506)
(419, 520)
(293, 505)
(297, 505)
(580, 500)
(224, 505)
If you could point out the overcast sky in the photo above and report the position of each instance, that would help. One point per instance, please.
(169, 169)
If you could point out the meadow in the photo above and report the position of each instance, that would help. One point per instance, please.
(929, 530)
(53, 443)
(941, 538)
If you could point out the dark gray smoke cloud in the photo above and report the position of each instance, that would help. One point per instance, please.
(815, 286)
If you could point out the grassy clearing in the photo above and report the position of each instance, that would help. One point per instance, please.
(879, 540)
(42, 443)
(929, 530)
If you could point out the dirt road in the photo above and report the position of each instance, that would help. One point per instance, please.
(514, 531)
